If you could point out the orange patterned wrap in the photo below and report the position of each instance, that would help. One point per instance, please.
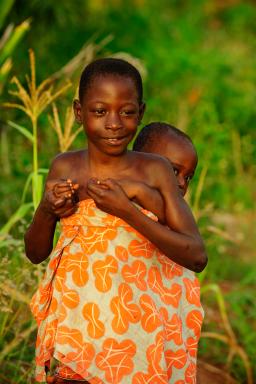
(113, 309)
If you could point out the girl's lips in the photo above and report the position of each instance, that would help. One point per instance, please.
(115, 141)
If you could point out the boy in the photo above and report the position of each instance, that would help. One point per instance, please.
(176, 146)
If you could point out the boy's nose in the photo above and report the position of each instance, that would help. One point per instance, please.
(182, 184)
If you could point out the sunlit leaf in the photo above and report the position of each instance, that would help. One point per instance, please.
(24, 131)
(17, 216)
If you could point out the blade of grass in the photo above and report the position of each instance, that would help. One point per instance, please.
(24, 131)
(17, 340)
(19, 214)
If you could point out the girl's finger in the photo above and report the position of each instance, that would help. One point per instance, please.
(66, 212)
(96, 186)
(96, 192)
(93, 180)
(75, 186)
(62, 187)
(93, 194)
(59, 203)
(60, 193)
(110, 183)
(102, 184)
(66, 191)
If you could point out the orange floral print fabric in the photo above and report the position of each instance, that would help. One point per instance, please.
(113, 309)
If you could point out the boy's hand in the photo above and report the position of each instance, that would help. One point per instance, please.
(109, 196)
(60, 198)
(131, 188)
(147, 197)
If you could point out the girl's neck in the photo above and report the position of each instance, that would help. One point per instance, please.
(103, 166)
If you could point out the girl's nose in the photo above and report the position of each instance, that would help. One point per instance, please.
(113, 121)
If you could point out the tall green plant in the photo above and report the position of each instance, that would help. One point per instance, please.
(9, 40)
(33, 102)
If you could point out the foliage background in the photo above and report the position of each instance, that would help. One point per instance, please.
(200, 62)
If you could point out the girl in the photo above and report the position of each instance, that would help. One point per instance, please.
(106, 307)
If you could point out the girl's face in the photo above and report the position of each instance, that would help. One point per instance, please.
(110, 113)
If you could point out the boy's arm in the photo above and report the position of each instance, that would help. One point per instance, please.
(149, 198)
(180, 241)
(39, 236)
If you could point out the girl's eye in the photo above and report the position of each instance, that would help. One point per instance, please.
(99, 112)
(127, 113)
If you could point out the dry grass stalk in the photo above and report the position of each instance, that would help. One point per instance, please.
(230, 337)
(16, 295)
(84, 57)
(65, 135)
(223, 234)
(33, 102)
(36, 99)
(199, 189)
(17, 340)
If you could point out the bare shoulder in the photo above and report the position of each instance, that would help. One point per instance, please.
(65, 164)
(150, 159)
(154, 167)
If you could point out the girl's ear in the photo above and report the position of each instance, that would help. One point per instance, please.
(77, 111)
(141, 111)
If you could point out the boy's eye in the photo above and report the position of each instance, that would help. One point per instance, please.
(188, 178)
(176, 171)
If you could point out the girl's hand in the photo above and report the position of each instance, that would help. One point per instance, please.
(60, 198)
(109, 197)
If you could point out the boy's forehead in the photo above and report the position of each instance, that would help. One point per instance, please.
(174, 148)
(160, 141)
(173, 140)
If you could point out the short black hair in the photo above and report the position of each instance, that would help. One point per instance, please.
(149, 135)
(110, 66)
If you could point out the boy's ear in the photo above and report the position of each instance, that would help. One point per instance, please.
(77, 111)
(141, 111)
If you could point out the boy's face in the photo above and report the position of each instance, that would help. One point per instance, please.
(182, 156)
(110, 113)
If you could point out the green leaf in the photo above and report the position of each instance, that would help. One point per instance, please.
(22, 130)
(28, 181)
(37, 189)
(5, 7)
(17, 216)
(14, 40)
(25, 189)
(43, 170)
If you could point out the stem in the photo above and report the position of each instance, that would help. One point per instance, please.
(35, 164)
(222, 307)
(17, 340)
(199, 190)
(36, 179)
(5, 157)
